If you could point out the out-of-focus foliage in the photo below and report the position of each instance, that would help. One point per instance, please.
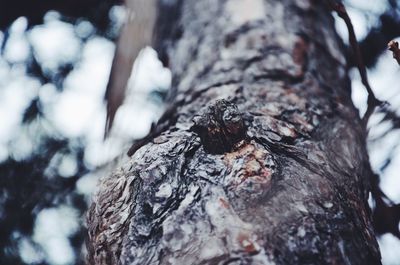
(380, 33)
(95, 11)
(40, 165)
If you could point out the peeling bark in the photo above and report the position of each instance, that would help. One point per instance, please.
(262, 156)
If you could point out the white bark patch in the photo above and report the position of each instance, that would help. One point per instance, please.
(164, 191)
(301, 232)
(243, 11)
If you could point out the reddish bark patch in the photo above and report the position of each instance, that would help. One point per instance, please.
(299, 53)
(247, 243)
(224, 203)
(251, 168)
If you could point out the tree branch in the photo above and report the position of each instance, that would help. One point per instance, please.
(373, 102)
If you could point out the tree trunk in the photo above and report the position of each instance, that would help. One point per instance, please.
(262, 157)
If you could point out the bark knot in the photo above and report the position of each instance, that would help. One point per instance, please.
(220, 126)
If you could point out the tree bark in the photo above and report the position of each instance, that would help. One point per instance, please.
(262, 157)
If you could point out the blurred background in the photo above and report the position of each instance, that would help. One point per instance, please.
(55, 61)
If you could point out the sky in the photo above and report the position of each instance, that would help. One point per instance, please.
(79, 111)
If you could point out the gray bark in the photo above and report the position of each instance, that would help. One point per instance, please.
(262, 157)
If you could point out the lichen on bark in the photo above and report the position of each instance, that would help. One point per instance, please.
(290, 186)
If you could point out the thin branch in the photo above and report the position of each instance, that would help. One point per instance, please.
(394, 47)
(373, 102)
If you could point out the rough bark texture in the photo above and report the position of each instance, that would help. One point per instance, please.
(261, 159)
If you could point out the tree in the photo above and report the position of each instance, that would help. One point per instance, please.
(261, 157)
